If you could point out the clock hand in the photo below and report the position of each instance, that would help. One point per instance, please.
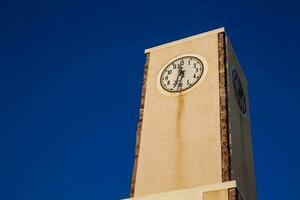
(178, 75)
(181, 77)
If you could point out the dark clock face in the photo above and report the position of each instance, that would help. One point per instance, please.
(239, 91)
(181, 74)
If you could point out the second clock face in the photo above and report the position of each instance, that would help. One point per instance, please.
(239, 91)
(181, 74)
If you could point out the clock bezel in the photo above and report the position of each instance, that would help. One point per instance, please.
(243, 111)
(178, 93)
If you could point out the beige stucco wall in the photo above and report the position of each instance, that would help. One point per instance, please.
(215, 195)
(208, 192)
(240, 131)
(180, 140)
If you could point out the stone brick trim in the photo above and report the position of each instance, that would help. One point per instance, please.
(139, 127)
(224, 129)
(232, 194)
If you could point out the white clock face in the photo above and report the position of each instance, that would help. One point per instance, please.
(181, 74)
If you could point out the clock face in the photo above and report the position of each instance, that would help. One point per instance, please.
(181, 74)
(239, 91)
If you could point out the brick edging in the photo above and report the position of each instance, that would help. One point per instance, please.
(224, 129)
(232, 194)
(139, 127)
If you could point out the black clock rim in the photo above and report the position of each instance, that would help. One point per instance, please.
(190, 85)
(234, 74)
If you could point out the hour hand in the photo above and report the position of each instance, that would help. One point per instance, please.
(177, 78)
(179, 82)
(175, 83)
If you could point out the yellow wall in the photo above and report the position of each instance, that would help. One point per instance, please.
(180, 140)
(180, 144)
(215, 195)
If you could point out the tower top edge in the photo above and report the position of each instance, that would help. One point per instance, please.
(193, 37)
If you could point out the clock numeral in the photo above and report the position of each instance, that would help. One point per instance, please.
(175, 77)
(175, 83)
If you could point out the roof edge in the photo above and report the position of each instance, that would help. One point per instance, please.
(168, 44)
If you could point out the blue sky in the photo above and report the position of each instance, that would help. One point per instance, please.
(70, 85)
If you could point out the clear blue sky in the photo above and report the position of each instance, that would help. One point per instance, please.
(70, 85)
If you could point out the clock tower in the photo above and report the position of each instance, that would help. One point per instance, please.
(193, 136)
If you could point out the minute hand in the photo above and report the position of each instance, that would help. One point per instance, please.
(178, 75)
(181, 77)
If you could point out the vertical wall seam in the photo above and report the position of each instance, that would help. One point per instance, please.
(139, 127)
(224, 115)
(224, 129)
(232, 194)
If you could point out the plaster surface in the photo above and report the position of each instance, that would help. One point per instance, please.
(180, 138)
(240, 131)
